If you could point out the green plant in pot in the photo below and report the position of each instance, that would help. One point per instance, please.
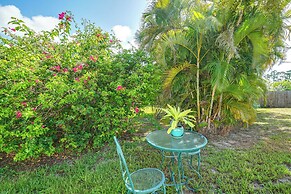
(178, 118)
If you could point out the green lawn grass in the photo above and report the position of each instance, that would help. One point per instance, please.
(264, 167)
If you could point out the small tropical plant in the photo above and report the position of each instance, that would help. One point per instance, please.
(178, 117)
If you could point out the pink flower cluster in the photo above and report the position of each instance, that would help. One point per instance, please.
(64, 15)
(65, 70)
(56, 68)
(120, 88)
(18, 114)
(79, 67)
(94, 59)
(136, 109)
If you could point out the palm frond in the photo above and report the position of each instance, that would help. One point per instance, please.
(248, 26)
(225, 41)
(220, 74)
(161, 4)
(172, 73)
(242, 111)
(260, 47)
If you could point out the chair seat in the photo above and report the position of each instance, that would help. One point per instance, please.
(146, 180)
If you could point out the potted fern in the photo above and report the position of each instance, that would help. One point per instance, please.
(178, 118)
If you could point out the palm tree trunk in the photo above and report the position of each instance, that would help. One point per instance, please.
(211, 106)
(199, 44)
(220, 105)
(198, 93)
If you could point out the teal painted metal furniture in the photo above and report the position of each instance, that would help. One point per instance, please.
(146, 180)
(189, 144)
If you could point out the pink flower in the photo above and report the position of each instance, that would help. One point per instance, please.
(58, 68)
(80, 67)
(62, 15)
(93, 59)
(85, 81)
(36, 81)
(68, 18)
(65, 70)
(43, 126)
(119, 88)
(110, 41)
(136, 110)
(13, 29)
(18, 114)
(54, 74)
(34, 109)
(77, 79)
(75, 69)
(24, 103)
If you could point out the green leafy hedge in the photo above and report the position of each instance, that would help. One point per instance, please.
(62, 91)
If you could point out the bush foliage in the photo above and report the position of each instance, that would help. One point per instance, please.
(62, 91)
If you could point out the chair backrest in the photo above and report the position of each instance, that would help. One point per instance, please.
(124, 169)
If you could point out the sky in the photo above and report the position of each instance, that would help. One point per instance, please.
(121, 17)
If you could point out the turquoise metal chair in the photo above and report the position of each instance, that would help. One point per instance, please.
(146, 180)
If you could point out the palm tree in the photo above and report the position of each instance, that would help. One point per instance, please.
(214, 54)
(189, 43)
(160, 17)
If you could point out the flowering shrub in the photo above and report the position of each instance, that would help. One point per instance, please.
(61, 91)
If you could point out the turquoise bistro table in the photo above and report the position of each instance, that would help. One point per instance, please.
(190, 143)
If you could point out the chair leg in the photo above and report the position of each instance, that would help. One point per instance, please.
(190, 163)
(198, 163)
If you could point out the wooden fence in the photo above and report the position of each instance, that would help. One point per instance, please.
(276, 99)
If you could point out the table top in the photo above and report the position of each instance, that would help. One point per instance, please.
(189, 142)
